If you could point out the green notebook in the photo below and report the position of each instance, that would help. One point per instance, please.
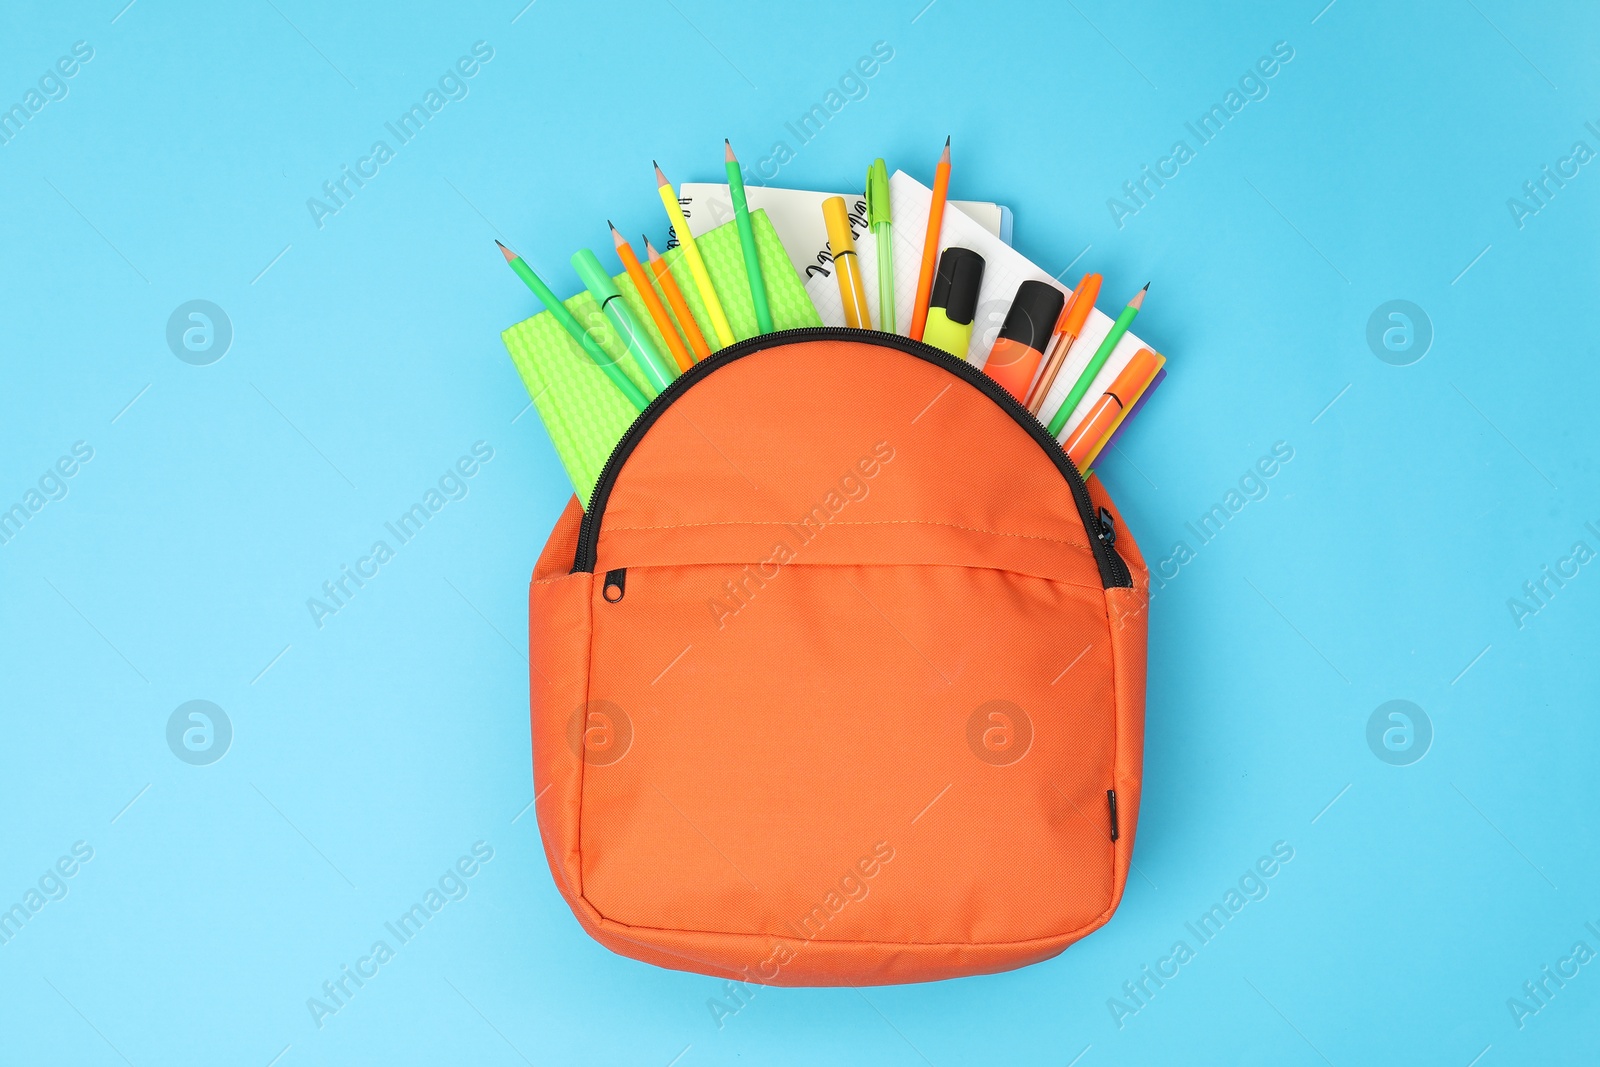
(584, 413)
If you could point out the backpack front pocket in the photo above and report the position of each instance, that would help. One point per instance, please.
(790, 717)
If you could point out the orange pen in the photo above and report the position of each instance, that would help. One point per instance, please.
(652, 302)
(930, 244)
(1086, 440)
(1073, 316)
(680, 307)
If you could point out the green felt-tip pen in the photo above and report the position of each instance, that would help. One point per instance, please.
(881, 223)
(569, 322)
(747, 241)
(1098, 360)
(657, 371)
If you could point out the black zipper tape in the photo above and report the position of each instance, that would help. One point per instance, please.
(1113, 571)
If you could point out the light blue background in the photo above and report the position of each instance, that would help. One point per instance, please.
(370, 753)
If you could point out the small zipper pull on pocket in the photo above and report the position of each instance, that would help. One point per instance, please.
(616, 585)
(1108, 528)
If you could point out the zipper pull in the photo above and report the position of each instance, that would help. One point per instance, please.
(1108, 528)
(616, 585)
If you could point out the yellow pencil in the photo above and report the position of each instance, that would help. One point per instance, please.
(697, 266)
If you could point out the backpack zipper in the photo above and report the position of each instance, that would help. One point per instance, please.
(1102, 534)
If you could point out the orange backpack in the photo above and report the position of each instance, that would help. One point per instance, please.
(840, 679)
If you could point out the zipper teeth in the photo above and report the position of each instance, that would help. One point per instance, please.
(1113, 569)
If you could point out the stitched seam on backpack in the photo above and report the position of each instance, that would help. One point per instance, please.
(563, 578)
(1075, 934)
(883, 522)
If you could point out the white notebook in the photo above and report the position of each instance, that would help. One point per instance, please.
(1004, 269)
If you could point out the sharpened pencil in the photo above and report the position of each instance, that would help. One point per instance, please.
(652, 302)
(675, 300)
(930, 243)
(1098, 360)
(747, 242)
(569, 322)
(691, 255)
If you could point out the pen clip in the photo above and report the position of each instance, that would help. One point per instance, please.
(877, 194)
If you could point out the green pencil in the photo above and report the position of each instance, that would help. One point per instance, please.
(1098, 360)
(747, 241)
(569, 323)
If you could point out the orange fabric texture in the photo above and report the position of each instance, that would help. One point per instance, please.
(844, 693)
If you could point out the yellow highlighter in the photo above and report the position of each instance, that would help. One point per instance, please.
(953, 304)
(842, 246)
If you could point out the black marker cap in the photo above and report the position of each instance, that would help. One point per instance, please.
(1033, 315)
(956, 285)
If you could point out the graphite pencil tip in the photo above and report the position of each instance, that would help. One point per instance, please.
(504, 251)
(650, 249)
(1138, 298)
(616, 238)
(944, 157)
(728, 155)
(661, 179)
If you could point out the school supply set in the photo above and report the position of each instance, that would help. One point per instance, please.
(1054, 351)
(836, 659)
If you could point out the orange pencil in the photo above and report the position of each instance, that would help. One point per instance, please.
(1073, 316)
(1091, 433)
(652, 302)
(930, 243)
(680, 307)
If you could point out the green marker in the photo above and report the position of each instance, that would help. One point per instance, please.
(747, 241)
(882, 225)
(1098, 360)
(569, 323)
(650, 361)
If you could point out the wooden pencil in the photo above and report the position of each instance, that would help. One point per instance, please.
(680, 306)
